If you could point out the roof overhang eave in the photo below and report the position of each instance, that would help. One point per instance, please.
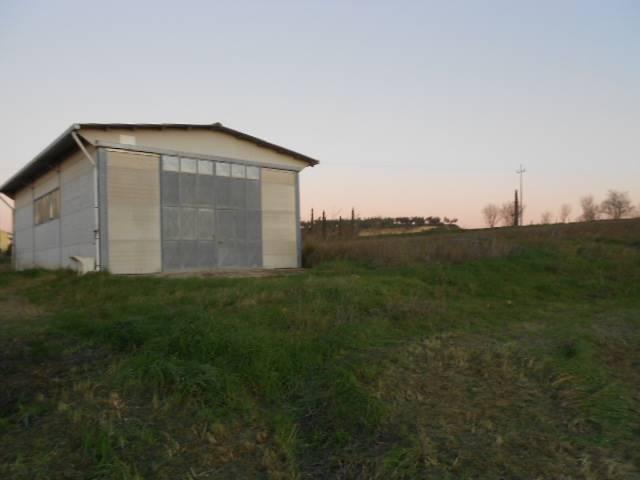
(63, 143)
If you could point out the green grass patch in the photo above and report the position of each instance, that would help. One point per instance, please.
(434, 363)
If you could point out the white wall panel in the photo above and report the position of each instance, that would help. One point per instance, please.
(23, 245)
(133, 193)
(24, 262)
(46, 183)
(24, 218)
(23, 229)
(49, 258)
(47, 236)
(279, 198)
(77, 193)
(279, 236)
(76, 166)
(23, 197)
(77, 228)
(77, 208)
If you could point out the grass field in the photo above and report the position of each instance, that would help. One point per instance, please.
(508, 353)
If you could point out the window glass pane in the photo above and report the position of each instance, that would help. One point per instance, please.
(205, 167)
(41, 210)
(170, 164)
(47, 207)
(253, 173)
(55, 204)
(44, 208)
(237, 171)
(36, 212)
(188, 165)
(223, 169)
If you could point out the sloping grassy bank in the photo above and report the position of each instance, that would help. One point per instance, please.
(517, 366)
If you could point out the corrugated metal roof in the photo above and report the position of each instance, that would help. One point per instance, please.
(65, 144)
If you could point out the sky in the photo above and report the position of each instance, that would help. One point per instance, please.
(413, 108)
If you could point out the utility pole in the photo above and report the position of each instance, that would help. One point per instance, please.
(520, 171)
(516, 210)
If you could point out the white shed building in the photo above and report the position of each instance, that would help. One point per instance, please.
(147, 198)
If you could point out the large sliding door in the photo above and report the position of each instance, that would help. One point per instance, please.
(210, 215)
(238, 215)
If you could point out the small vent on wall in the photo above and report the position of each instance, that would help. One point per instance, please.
(127, 139)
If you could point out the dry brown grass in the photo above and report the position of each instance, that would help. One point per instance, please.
(409, 250)
(625, 230)
(373, 232)
(465, 245)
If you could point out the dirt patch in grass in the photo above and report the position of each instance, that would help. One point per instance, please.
(15, 307)
(37, 368)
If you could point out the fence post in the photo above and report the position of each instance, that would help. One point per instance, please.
(353, 222)
(324, 225)
(311, 224)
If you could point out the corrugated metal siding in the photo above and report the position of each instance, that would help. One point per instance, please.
(50, 244)
(279, 240)
(209, 220)
(46, 183)
(23, 198)
(47, 246)
(23, 229)
(133, 193)
(76, 209)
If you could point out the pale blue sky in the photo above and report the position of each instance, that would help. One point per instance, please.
(413, 108)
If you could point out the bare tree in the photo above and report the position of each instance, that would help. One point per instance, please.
(565, 213)
(546, 218)
(491, 213)
(508, 211)
(590, 210)
(617, 204)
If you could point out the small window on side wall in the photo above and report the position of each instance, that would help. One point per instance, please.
(47, 207)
